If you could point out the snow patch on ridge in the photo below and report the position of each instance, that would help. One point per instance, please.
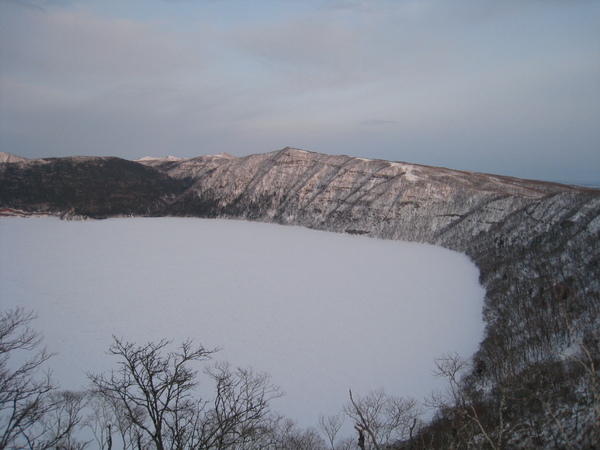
(161, 158)
(408, 169)
(10, 158)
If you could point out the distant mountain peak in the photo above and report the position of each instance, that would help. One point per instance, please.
(225, 156)
(292, 150)
(10, 158)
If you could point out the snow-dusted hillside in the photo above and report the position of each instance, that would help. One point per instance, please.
(10, 158)
(385, 199)
(320, 312)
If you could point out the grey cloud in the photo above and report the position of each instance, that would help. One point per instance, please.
(30, 4)
(76, 83)
(377, 122)
(360, 6)
(76, 43)
(39, 5)
(315, 52)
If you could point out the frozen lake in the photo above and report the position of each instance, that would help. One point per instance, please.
(320, 312)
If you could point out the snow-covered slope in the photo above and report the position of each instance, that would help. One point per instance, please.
(10, 158)
(340, 193)
(504, 224)
(158, 159)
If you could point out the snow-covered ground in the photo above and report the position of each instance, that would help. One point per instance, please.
(320, 312)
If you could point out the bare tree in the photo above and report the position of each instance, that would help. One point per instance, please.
(155, 394)
(109, 423)
(153, 390)
(24, 387)
(330, 426)
(487, 418)
(101, 420)
(60, 424)
(584, 355)
(240, 411)
(288, 436)
(382, 419)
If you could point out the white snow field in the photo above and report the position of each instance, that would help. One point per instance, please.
(320, 312)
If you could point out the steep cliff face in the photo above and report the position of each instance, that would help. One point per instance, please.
(373, 197)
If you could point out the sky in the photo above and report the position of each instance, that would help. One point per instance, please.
(508, 87)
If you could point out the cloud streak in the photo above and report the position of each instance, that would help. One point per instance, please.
(377, 122)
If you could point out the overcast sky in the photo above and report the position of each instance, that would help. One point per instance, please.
(508, 87)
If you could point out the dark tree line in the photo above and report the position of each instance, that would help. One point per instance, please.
(95, 187)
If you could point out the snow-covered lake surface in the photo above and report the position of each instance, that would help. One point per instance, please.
(320, 312)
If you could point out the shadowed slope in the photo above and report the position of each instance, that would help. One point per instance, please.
(86, 186)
